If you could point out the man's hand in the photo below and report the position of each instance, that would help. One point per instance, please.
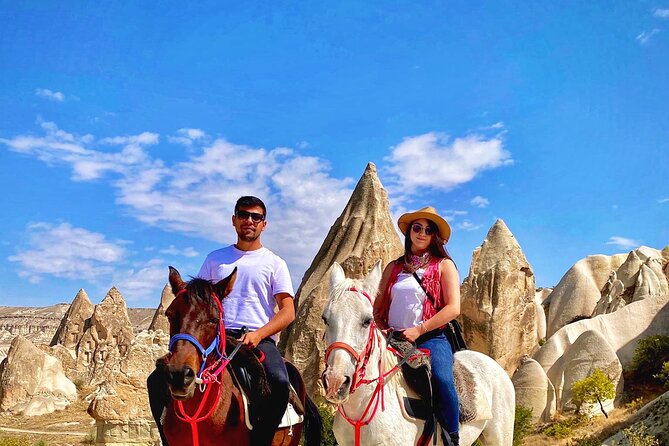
(252, 339)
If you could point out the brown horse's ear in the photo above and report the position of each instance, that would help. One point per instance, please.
(224, 286)
(176, 282)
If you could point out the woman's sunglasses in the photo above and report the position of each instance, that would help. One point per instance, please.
(417, 228)
(255, 217)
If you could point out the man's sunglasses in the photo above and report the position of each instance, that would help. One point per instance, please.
(244, 215)
(417, 228)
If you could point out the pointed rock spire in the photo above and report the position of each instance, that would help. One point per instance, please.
(363, 234)
(497, 298)
(73, 324)
(159, 321)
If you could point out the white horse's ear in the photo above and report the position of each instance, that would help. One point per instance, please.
(337, 274)
(371, 282)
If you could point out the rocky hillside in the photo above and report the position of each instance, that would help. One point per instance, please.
(39, 324)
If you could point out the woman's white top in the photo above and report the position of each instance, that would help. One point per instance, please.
(406, 301)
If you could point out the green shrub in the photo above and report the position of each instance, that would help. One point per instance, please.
(593, 389)
(635, 404)
(637, 436)
(649, 357)
(542, 341)
(522, 424)
(663, 376)
(327, 416)
(558, 430)
(14, 441)
(585, 441)
(90, 438)
(41, 443)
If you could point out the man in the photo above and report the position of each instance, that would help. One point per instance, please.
(262, 284)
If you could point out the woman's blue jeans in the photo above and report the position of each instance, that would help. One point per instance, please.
(446, 401)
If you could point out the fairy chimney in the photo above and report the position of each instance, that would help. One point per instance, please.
(32, 382)
(498, 310)
(363, 234)
(108, 337)
(160, 321)
(73, 324)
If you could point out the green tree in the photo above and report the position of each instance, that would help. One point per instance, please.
(663, 376)
(595, 388)
(649, 356)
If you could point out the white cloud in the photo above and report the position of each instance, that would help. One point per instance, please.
(431, 160)
(196, 196)
(174, 251)
(68, 252)
(661, 13)
(623, 243)
(187, 136)
(645, 36)
(663, 200)
(50, 95)
(467, 225)
(142, 283)
(479, 201)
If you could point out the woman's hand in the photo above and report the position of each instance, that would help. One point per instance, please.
(411, 334)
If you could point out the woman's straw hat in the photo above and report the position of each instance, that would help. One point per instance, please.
(428, 213)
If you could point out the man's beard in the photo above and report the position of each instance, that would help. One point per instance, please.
(249, 238)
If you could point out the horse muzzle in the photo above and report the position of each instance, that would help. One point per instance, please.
(180, 381)
(337, 386)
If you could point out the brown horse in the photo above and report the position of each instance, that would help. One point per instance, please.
(205, 405)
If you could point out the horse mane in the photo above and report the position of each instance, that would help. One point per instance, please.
(201, 289)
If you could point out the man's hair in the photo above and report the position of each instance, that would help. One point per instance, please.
(249, 201)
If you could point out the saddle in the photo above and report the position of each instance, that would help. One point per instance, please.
(249, 376)
(417, 373)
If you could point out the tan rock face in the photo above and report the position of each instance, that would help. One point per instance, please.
(106, 340)
(73, 324)
(590, 351)
(639, 277)
(579, 290)
(160, 321)
(363, 234)
(497, 300)
(534, 390)
(32, 382)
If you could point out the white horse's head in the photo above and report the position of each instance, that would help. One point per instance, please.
(347, 316)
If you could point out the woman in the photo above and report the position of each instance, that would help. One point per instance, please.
(403, 304)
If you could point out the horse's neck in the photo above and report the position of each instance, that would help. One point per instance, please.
(357, 402)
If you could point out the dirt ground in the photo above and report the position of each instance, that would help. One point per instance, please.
(71, 426)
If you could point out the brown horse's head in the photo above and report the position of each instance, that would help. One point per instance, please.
(195, 323)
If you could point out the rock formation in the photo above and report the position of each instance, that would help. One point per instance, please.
(579, 290)
(120, 404)
(107, 338)
(654, 416)
(73, 324)
(159, 321)
(534, 390)
(621, 330)
(497, 309)
(35, 324)
(32, 382)
(590, 351)
(639, 277)
(363, 234)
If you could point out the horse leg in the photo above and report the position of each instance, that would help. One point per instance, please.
(313, 425)
(159, 398)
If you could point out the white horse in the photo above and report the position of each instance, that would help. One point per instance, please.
(361, 378)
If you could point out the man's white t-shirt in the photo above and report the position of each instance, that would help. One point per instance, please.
(261, 275)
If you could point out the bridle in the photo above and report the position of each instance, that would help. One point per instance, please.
(207, 374)
(361, 362)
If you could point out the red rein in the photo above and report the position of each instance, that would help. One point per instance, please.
(209, 376)
(359, 376)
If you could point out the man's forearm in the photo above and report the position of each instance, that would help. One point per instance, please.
(279, 321)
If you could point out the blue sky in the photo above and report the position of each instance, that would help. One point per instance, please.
(128, 130)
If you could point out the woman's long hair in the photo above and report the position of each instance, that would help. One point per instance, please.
(437, 247)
